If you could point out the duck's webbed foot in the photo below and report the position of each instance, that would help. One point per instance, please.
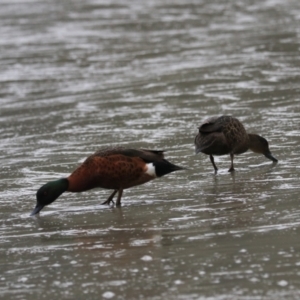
(110, 198)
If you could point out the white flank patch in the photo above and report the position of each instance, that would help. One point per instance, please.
(151, 170)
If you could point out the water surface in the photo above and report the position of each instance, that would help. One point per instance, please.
(77, 76)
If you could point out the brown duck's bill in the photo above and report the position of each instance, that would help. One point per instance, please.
(37, 209)
(271, 157)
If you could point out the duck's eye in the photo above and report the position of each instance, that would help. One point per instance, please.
(45, 193)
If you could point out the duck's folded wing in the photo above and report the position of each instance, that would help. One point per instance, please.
(214, 143)
(211, 125)
(145, 155)
(215, 124)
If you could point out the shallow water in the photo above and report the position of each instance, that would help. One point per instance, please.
(78, 76)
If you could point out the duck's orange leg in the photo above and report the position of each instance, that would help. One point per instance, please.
(110, 198)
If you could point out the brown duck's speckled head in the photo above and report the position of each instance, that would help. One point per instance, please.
(258, 144)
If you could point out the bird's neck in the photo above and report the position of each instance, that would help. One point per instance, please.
(255, 143)
(61, 184)
(78, 183)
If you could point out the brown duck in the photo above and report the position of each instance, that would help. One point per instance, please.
(227, 135)
(113, 168)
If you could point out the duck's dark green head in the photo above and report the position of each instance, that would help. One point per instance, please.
(48, 193)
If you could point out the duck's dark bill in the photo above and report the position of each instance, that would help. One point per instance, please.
(37, 209)
(271, 157)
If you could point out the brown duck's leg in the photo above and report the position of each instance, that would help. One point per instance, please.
(110, 198)
(118, 203)
(213, 163)
(231, 167)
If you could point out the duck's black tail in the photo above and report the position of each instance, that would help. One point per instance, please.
(164, 167)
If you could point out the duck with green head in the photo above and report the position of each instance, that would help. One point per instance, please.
(113, 168)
